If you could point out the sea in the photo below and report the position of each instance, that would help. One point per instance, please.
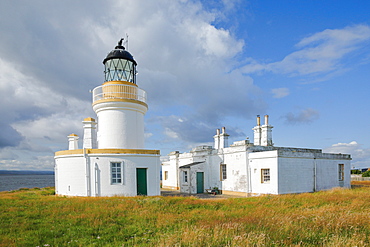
(10, 182)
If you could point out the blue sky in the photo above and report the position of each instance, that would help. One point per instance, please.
(204, 64)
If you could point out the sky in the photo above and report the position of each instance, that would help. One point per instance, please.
(205, 64)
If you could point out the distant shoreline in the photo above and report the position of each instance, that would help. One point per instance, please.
(25, 172)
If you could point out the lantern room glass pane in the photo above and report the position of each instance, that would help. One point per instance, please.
(119, 70)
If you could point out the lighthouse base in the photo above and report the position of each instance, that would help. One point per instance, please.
(107, 172)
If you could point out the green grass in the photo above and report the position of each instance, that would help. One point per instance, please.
(36, 217)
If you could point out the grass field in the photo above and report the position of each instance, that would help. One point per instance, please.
(36, 217)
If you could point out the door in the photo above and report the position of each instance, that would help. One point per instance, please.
(141, 181)
(200, 182)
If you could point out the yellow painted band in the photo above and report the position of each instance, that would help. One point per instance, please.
(90, 119)
(120, 100)
(119, 83)
(107, 151)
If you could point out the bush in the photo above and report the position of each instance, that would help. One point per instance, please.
(356, 172)
(366, 174)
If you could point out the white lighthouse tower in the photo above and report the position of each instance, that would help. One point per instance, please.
(113, 160)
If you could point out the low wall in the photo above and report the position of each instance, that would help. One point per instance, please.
(359, 178)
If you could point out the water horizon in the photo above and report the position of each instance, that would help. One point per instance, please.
(9, 182)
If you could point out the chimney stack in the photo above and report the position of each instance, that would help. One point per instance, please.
(257, 132)
(217, 139)
(89, 126)
(224, 138)
(73, 142)
(266, 133)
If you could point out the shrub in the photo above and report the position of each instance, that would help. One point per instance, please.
(366, 174)
(356, 172)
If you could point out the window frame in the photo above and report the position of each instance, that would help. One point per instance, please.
(165, 175)
(341, 172)
(185, 176)
(116, 175)
(265, 177)
(223, 172)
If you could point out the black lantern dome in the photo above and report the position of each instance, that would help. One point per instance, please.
(120, 65)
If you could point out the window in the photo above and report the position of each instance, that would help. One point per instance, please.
(223, 172)
(116, 172)
(185, 176)
(265, 175)
(341, 172)
(119, 70)
(165, 175)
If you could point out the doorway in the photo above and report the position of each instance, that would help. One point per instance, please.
(141, 182)
(200, 182)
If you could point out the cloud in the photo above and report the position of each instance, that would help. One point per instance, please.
(303, 117)
(51, 56)
(321, 53)
(360, 156)
(9, 137)
(193, 131)
(280, 92)
(34, 163)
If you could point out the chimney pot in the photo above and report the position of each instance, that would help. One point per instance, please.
(258, 120)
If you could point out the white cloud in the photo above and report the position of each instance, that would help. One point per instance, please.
(185, 65)
(302, 117)
(320, 53)
(170, 133)
(33, 163)
(360, 156)
(280, 92)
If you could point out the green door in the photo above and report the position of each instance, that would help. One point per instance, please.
(141, 181)
(200, 182)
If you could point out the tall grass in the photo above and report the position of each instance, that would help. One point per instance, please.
(339, 217)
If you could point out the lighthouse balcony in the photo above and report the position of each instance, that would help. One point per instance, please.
(118, 92)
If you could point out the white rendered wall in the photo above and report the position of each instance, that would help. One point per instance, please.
(120, 125)
(214, 172)
(191, 186)
(76, 177)
(296, 175)
(172, 179)
(128, 186)
(328, 174)
(263, 160)
(70, 178)
(236, 170)
(184, 159)
(291, 170)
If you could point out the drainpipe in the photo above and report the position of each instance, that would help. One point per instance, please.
(314, 174)
(177, 172)
(87, 167)
(96, 180)
(189, 180)
(249, 184)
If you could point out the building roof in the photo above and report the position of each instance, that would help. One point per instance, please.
(191, 164)
(119, 52)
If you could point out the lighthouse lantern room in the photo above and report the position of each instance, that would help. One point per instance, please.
(113, 160)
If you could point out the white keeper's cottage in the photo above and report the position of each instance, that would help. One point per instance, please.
(112, 160)
(247, 169)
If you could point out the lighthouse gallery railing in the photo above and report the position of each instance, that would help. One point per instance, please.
(118, 91)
